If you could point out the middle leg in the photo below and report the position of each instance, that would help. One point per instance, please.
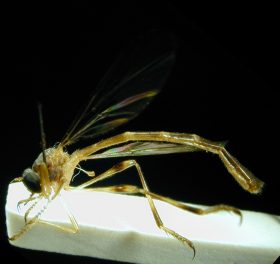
(124, 166)
(131, 189)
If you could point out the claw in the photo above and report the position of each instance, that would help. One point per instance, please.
(18, 206)
(24, 202)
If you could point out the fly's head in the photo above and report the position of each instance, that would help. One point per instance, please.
(36, 180)
(32, 181)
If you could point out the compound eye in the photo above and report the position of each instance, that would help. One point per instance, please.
(31, 180)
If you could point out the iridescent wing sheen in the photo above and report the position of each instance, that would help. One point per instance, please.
(143, 149)
(135, 78)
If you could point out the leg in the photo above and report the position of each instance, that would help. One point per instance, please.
(123, 166)
(26, 201)
(30, 209)
(24, 229)
(37, 198)
(62, 228)
(74, 229)
(130, 189)
(35, 219)
(28, 224)
(242, 175)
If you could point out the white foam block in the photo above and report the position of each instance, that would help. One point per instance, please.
(121, 227)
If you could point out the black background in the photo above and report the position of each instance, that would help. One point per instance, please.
(223, 87)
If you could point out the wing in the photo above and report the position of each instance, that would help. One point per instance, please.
(143, 149)
(135, 78)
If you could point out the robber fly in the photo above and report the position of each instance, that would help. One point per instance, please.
(135, 78)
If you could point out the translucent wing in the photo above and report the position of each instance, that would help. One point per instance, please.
(143, 149)
(131, 83)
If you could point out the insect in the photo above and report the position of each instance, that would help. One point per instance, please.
(131, 83)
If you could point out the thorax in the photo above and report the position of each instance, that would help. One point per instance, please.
(59, 164)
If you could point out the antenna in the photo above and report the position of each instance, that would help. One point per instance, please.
(43, 135)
